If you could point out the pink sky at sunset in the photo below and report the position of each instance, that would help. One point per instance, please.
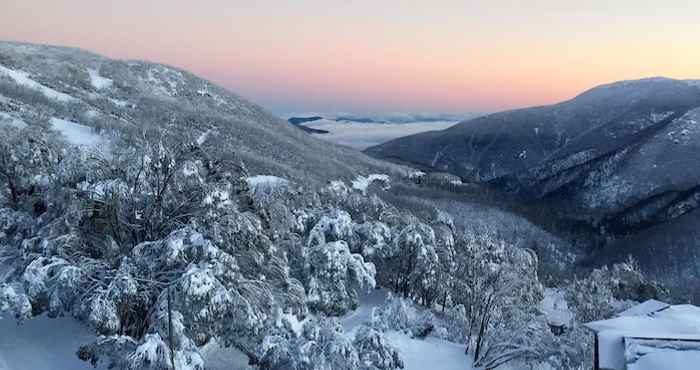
(382, 56)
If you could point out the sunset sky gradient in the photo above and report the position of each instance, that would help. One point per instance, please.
(382, 56)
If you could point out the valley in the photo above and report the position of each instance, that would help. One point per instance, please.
(158, 221)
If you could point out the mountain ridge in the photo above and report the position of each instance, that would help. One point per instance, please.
(117, 95)
(621, 157)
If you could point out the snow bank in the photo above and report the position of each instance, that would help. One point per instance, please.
(42, 343)
(22, 78)
(98, 81)
(77, 134)
(362, 182)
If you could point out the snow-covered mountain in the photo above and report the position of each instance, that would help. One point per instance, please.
(622, 157)
(80, 93)
(171, 224)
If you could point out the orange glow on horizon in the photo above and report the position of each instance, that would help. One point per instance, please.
(367, 57)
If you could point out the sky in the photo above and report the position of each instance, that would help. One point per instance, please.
(379, 56)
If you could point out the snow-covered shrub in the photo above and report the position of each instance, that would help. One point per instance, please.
(495, 286)
(335, 277)
(374, 351)
(413, 262)
(607, 291)
(402, 314)
(159, 234)
(14, 227)
(14, 302)
(28, 160)
(370, 238)
(320, 345)
(335, 226)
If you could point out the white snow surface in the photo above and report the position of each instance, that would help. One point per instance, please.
(429, 353)
(42, 343)
(645, 308)
(222, 358)
(77, 134)
(362, 182)
(417, 354)
(98, 81)
(363, 135)
(22, 78)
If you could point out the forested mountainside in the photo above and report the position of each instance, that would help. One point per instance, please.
(169, 217)
(621, 158)
(43, 83)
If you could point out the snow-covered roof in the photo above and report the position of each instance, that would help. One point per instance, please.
(645, 308)
(667, 319)
(657, 325)
(654, 354)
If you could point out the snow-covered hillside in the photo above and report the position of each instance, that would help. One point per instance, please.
(83, 94)
(620, 159)
(152, 220)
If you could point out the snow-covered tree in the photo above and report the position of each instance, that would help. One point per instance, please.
(318, 345)
(608, 290)
(335, 277)
(370, 238)
(28, 160)
(335, 226)
(414, 262)
(374, 351)
(497, 285)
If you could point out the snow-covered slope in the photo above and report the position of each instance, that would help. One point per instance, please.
(429, 353)
(82, 93)
(50, 344)
(417, 354)
(42, 344)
